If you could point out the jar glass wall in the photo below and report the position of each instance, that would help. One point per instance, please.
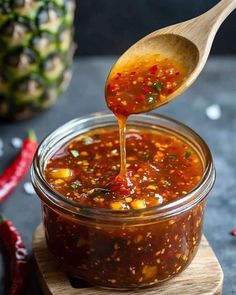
(123, 249)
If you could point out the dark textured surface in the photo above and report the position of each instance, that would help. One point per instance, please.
(110, 27)
(217, 84)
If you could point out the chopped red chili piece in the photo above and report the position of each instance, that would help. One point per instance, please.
(140, 97)
(121, 185)
(112, 86)
(153, 70)
(147, 89)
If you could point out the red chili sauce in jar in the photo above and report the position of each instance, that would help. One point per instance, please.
(129, 169)
(160, 167)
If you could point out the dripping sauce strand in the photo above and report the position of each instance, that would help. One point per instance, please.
(122, 135)
(137, 89)
(122, 182)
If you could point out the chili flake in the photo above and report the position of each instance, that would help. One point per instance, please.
(143, 86)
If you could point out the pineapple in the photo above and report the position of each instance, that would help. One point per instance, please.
(36, 44)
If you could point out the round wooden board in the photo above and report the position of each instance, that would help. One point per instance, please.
(203, 277)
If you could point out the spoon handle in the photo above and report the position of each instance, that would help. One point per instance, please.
(215, 16)
(204, 27)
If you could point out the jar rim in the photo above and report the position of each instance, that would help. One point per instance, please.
(61, 135)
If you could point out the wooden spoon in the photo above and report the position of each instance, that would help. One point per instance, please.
(188, 43)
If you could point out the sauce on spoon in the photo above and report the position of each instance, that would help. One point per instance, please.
(142, 85)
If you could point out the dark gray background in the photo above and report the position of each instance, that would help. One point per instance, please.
(111, 26)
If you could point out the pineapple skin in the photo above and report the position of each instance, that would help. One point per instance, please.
(36, 50)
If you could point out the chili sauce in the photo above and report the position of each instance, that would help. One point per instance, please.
(160, 168)
(143, 85)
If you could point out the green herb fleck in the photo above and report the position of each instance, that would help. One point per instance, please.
(152, 100)
(187, 154)
(157, 86)
(87, 140)
(74, 153)
(146, 156)
(172, 156)
(75, 185)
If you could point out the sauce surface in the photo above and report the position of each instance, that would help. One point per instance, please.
(143, 85)
(160, 168)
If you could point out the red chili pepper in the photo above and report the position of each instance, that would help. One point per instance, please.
(140, 98)
(17, 252)
(118, 75)
(111, 87)
(20, 166)
(170, 91)
(121, 185)
(153, 69)
(147, 89)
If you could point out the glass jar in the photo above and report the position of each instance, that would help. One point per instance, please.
(36, 49)
(123, 249)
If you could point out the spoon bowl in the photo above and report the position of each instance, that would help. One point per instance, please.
(187, 43)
